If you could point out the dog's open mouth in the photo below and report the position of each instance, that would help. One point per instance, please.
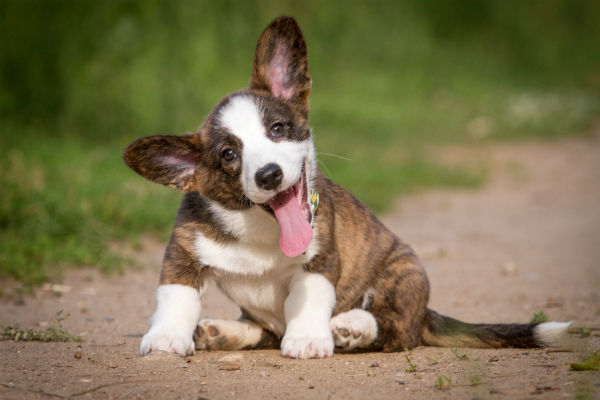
(292, 211)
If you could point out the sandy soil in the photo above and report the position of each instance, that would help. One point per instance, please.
(528, 241)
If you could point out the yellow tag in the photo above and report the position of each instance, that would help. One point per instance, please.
(314, 201)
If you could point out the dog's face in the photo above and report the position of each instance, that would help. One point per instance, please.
(261, 142)
(255, 148)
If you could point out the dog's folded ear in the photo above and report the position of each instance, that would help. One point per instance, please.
(166, 159)
(281, 63)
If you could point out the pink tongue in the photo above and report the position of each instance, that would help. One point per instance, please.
(295, 233)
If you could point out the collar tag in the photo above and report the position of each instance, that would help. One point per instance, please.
(313, 202)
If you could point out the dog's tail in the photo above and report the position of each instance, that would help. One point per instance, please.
(443, 331)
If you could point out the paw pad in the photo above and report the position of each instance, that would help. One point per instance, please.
(207, 336)
(353, 329)
(346, 338)
(213, 331)
(342, 331)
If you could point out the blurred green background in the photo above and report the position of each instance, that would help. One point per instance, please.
(79, 80)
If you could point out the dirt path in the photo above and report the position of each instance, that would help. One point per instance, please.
(528, 241)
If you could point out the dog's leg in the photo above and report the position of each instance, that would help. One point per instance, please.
(174, 321)
(219, 334)
(308, 309)
(399, 304)
(353, 329)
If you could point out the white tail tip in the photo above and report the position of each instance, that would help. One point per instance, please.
(550, 333)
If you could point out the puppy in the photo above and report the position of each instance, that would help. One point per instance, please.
(310, 266)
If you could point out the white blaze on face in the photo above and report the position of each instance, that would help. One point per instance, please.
(241, 116)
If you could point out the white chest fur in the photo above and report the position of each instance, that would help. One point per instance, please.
(256, 249)
(252, 270)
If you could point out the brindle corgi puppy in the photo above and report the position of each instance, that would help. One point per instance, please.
(309, 265)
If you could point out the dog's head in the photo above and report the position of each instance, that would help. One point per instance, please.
(255, 148)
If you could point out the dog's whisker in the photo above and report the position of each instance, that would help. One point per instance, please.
(334, 155)
(325, 166)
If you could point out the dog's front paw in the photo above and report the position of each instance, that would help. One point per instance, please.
(162, 340)
(307, 347)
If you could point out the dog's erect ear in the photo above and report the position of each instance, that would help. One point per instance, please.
(166, 159)
(281, 63)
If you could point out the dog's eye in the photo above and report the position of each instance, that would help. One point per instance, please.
(277, 130)
(228, 154)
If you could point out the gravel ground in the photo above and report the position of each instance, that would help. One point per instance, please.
(527, 241)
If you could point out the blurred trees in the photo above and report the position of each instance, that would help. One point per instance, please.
(112, 67)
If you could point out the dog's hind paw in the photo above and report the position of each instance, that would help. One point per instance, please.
(353, 329)
(208, 336)
(218, 334)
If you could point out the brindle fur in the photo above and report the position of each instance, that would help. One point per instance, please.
(357, 253)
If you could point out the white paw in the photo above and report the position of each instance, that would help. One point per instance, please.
(307, 347)
(353, 329)
(158, 339)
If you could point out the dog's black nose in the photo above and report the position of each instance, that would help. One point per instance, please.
(269, 177)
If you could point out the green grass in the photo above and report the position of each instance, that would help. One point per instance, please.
(443, 382)
(592, 363)
(461, 357)
(411, 366)
(80, 80)
(64, 201)
(539, 317)
(53, 333)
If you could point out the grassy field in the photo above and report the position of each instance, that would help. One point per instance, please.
(80, 80)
